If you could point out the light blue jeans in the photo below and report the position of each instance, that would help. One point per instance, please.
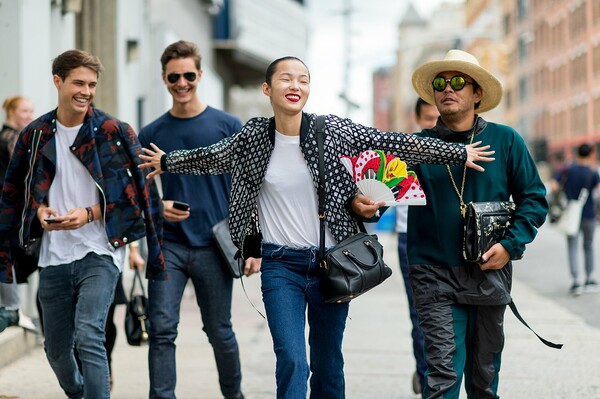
(213, 286)
(588, 226)
(75, 298)
(290, 284)
(9, 294)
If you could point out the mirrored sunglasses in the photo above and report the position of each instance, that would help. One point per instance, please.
(189, 76)
(456, 83)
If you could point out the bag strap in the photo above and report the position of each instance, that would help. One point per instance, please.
(513, 307)
(137, 277)
(588, 182)
(320, 125)
(241, 265)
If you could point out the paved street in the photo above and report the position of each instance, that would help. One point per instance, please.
(377, 344)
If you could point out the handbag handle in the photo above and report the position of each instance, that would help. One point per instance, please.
(137, 277)
(320, 127)
(359, 262)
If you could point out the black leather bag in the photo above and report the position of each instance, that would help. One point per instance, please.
(26, 259)
(486, 223)
(353, 266)
(227, 248)
(137, 322)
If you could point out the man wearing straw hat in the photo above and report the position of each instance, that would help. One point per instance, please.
(460, 304)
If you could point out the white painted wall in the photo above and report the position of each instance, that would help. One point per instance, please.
(270, 29)
(173, 20)
(33, 32)
(31, 35)
(132, 75)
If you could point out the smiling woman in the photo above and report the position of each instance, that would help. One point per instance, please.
(274, 214)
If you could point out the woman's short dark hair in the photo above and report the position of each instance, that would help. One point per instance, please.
(72, 59)
(181, 49)
(271, 68)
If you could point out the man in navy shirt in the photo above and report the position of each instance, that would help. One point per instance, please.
(188, 246)
(580, 175)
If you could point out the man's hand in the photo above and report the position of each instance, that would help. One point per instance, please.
(252, 266)
(44, 212)
(495, 258)
(73, 220)
(135, 258)
(172, 214)
(365, 207)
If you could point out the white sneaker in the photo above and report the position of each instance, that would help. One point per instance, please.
(26, 323)
(576, 290)
(591, 287)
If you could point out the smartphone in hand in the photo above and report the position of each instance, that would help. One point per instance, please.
(51, 220)
(182, 206)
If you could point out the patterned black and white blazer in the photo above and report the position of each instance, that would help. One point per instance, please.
(247, 153)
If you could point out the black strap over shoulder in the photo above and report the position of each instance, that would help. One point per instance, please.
(320, 126)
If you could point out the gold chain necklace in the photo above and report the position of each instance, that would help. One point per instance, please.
(463, 206)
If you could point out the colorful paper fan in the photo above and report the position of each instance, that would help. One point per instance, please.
(385, 178)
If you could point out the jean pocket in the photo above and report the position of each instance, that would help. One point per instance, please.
(273, 251)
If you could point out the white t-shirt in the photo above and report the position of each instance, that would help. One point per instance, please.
(287, 202)
(401, 218)
(73, 187)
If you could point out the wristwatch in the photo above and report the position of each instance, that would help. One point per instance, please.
(90, 214)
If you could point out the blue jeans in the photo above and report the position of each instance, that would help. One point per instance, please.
(213, 286)
(75, 298)
(416, 333)
(588, 226)
(290, 283)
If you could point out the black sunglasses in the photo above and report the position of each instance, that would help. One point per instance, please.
(456, 83)
(174, 77)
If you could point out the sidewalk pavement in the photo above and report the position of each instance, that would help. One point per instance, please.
(377, 348)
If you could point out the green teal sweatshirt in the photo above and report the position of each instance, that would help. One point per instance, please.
(435, 231)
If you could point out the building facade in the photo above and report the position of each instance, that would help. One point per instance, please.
(237, 39)
(555, 72)
(420, 40)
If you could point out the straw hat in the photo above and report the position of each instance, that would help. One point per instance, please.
(460, 61)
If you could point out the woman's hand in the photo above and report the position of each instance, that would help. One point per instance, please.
(478, 154)
(365, 207)
(252, 266)
(151, 158)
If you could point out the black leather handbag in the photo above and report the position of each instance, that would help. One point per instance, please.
(26, 259)
(137, 322)
(486, 223)
(353, 266)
